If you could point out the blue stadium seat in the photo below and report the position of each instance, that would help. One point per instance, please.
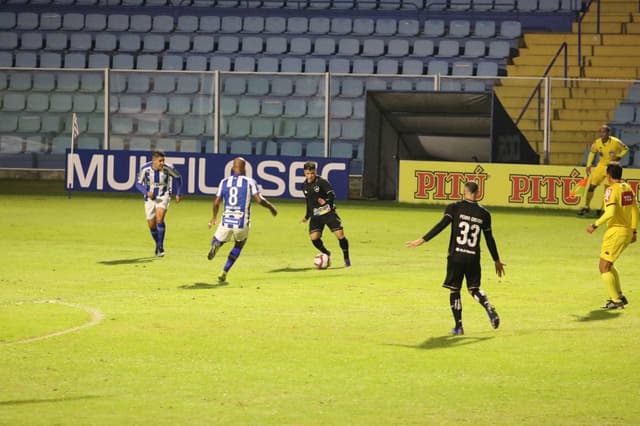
(363, 66)
(275, 25)
(253, 24)
(138, 83)
(341, 150)
(339, 65)
(314, 149)
(268, 64)
(270, 148)
(37, 102)
(26, 59)
(386, 27)
(95, 22)
(228, 106)
(398, 48)
(261, 128)
(239, 127)
(166, 144)
(179, 105)
(306, 86)
(187, 24)
(59, 102)
(156, 105)
(234, 85)
(140, 23)
(297, 25)
(340, 109)
(149, 126)
(281, 87)
(80, 42)
(291, 64)
(220, 63)
(373, 47)
(27, 21)
(10, 145)
(402, 85)
(319, 25)
(484, 29)
(139, 144)
(474, 49)
(448, 48)
(189, 145)
(527, 5)
(291, 148)
(105, 42)
(129, 43)
(231, 24)
(6, 59)
(118, 23)
(459, 5)
(413, 67)
(248, 107)
(187, 84)
(42, 82)
(434, 28)
(352, 88)
(422, 48)
(349, 47)
(499, 49)
(300, 46)
(50, 21)
(352, 130)
(56, 41)
(204, 44)
(153, 43)
(340, 26)
(209, 24)
(228, 44)
(7, 20)
(482, 5)
(358, 109)
(122, 61)
(363, 26)
(172, 62)
(130, 104)
(510, 29)
(324, 46)
(474, 86)
(408, 27)
(315, 108)
(504, 5)
(28, 41)
(438, 67)
(20, 81)
(315, 65)
(464, 68)
(624, 114)
(35, 144)
(96, 124)
(162, 24)
(147, 62)
(459, 28)
(179, 43)
(244, 64)
(84, 103)
(241, 147)
(163, 83)
(451, 85)
(271, 108)
(251, 45)
(91, 82)
(295, 108)
(276, 45)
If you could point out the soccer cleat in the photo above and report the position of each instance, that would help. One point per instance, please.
(457, 331)
(613, 305)
(159, 252)
(583, 211)
(222, 277)
(624, 300)
(213, 251)
(347, 263)
(493, 317)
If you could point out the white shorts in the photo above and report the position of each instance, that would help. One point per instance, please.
(225, 234)
(150, 206)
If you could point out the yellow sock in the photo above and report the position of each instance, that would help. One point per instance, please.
(610, 283)
(614, 271)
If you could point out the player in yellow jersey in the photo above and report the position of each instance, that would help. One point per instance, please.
(611, 149)
(621, 217)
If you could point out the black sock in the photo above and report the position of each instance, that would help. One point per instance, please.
(481, 297)
(344, 245)
(320, 246)
(456, 307)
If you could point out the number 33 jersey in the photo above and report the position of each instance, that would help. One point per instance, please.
(468, 219)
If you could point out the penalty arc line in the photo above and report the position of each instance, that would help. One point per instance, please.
(96, 318)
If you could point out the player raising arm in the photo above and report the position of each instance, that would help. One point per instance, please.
(467, 218)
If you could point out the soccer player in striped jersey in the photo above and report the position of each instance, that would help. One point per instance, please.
(621, 217)
(236, 191)
(467, 218)
(156, 180)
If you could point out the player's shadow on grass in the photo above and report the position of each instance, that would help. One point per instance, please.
(127, 261)
(598, 315)
(442, 342)
(203, 286)
(288, 269)
(44, 400)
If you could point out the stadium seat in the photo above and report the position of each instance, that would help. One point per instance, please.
(434, 28)
(300, 46)
(258, 86)
(339, 65)
(438, 67)
(28, 41)
(7, 20)
(481, 5)
(118, 23)
(464, 68)
(352, 88)
(6, 59)
(499, 49)
(504, 5)
(37, 102)
(68, 82)
(228, 44)
(315, 108)
(341, 149)
(248, 107)
(231, 24)
(205, 44)
(319, 25)
(339, 26)
(315, 65)
(146, 62)
(163, 83)
(189, 145)
(271, 108)
(450, 85)
(398, 48)
(172, 62)
(297, 25)
(162, 24)
(95, 22)
(156, 105)
(448, 48)
(261, 128)
(251, 45)
(244, 64)
(510, 29)
(42, 82)
(241, 147)
(413, 67)
(56, 41)
(422, 48)
(99, 60)
(307, 128)
(363, 66)
(153, 43)
(187, 24)
(363, 26)
(484, 29)
(386, 27)
(276, 45)
(238, 128)
(129, 43)
(474, 49)
(149, 126)
(83, 103)
(268, 64)
(275, 25)
(291, 64)
(220, 63)
(306, 86)
(27, 21)
(281, 86)
(50, 21)
(187, 84)
(314, 149)
(140, 144)
(122, 61)
(178, 105)
(352, 130)
(401, 85)
(166, 145)
(527, 5)
(624, 114)
(408, 27)
(291, 148)
(234, 85)
(295, 108)
(140, 23)
(80, 42)
(373, 47)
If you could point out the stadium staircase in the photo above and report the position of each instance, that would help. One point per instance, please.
(580, 108)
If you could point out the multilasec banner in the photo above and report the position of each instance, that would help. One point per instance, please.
(281, 177)
(511, 185)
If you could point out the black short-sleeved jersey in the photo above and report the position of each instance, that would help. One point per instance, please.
(318, 188)
(467, 219)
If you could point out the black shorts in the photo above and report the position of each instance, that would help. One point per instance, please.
(456, 271)
(331, 220)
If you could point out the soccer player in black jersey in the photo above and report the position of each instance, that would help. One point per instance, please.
(467, 218)
(321, 211)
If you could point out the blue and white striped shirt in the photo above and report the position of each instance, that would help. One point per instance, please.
(158, 181)
(236, 191)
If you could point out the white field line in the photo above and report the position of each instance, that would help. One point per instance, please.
(96, 318)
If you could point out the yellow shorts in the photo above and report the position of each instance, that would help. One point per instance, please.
(614, 242)
(598, 175)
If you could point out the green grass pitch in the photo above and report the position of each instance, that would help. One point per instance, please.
(285, 344)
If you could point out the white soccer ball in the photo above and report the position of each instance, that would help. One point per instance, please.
(321, 261)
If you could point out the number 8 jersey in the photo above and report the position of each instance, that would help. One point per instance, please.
(236, 192)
